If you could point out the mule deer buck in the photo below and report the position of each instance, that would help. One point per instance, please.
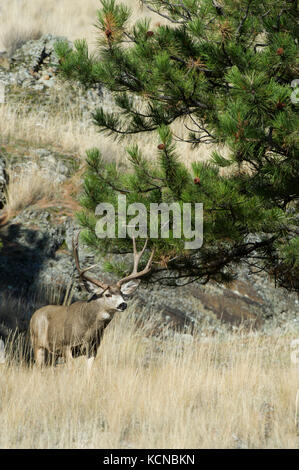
(59, 330)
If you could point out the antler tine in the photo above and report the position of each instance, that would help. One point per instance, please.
(82, 272)
(137, 255)
(75, 251)
(150, 260)
(89, 268)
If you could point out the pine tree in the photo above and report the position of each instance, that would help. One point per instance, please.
(225, 68)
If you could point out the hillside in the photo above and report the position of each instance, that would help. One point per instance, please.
(197, 366)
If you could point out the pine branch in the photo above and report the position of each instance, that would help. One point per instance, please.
(243, 19)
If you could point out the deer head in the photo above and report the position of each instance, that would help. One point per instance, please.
(113, 296)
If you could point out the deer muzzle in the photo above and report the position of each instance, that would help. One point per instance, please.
(122, 306)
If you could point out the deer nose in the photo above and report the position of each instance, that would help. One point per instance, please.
(122, 306)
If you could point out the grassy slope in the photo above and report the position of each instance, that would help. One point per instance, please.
(228, 392)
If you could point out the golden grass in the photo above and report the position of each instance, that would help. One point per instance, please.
(74, 19)
(26, 187)
(13, 39)
(68, 132)
(220, 392)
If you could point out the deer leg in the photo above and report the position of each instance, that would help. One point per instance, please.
(91, 355)
(68, 354)
(39, 356)
(90, 361)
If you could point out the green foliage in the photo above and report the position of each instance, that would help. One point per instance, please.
(76, 62)
(225, 69)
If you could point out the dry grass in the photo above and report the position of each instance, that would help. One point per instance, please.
(28, 186)
(71, 18)
(72, 134)
(46, 15)
(68, 134)
(232, 392)
(13, 39)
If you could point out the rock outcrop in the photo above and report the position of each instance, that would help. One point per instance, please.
(30, 76)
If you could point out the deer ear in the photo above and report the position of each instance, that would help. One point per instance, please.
(94, 292)
(92, 296)
(129, 287)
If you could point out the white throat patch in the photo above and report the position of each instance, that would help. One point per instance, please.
(105, 316)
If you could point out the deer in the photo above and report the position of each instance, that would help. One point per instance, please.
(61, 330)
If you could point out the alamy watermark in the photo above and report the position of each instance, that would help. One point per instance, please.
(185, 220)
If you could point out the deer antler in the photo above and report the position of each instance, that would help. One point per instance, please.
(82, 275)
(137, 256)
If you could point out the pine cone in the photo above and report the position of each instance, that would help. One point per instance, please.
(280, 105)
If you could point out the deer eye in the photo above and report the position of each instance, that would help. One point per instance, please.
(108, 295)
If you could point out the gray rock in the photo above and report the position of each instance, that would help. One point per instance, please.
(36, 52)
(48, 83)
(26, 82)
(56, 167)
(33, 62)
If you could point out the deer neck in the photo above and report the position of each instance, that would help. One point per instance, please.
(99, 310)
